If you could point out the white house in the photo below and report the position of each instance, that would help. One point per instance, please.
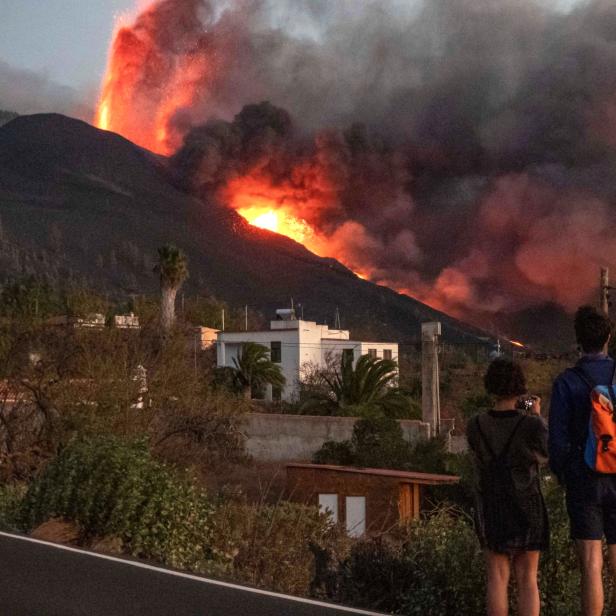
(294, 344)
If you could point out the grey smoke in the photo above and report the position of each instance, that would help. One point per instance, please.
(27, 92)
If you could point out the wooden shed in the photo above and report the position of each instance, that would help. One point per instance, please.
(365, 500)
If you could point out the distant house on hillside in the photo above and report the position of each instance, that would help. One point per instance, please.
(206, 337)
(96, 320)
(363, 500)
(295, 343)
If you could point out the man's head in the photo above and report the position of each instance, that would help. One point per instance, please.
(505, 379)
(592, 329)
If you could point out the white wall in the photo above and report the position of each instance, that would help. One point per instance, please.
(294, 438)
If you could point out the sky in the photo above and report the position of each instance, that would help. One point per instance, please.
(65, 40)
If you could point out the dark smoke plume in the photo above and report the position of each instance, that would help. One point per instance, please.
(463, 151)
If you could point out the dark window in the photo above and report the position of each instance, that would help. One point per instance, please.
(372, 353)
(387, 354)
(276, 352)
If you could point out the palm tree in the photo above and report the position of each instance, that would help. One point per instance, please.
(254, 369)
(173, 271)
(367, 388)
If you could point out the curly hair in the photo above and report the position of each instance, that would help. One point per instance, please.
(592, 329)
(505, 379)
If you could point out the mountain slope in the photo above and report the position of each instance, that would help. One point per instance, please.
(84, 204)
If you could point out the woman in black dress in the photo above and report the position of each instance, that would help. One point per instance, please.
(509, 445)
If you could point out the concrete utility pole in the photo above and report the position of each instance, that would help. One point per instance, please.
(430, 396)
(605, 291)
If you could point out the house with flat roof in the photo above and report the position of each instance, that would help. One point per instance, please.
(295, 344)
(363, 500)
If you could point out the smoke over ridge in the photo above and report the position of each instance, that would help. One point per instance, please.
(463, 152)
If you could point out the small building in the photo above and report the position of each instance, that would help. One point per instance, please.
(126, 321)
(94, 320)
(296, 344)
(364, 500)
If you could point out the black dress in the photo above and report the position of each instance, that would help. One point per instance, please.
(510, 513)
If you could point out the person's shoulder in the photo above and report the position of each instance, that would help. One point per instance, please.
(471, 425)
(566, 373)
(566, 377)
(535, 422)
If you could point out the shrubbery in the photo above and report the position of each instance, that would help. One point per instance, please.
(110, 488)
(10, 505)
(273, 546)
(377, 442)
(434, 569)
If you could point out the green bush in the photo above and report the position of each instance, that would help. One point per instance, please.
(335, 452)
(377, 442)
(273, 546)
(10, 505)
(435, 570)
(111, 488)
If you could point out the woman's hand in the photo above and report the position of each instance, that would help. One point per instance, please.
(535, 409)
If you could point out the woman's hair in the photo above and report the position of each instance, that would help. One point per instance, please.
(505, 379)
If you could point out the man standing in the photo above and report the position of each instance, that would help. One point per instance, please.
(591, 497)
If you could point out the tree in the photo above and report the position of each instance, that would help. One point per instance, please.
(254, 369)
(369, 387)
(173, 271)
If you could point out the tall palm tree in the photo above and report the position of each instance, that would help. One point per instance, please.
(173, 271)
(254, 369)
(367, 388)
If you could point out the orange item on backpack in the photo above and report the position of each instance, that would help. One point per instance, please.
(600, 448)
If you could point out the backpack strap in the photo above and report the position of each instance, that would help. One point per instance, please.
(586, 378)
(582, 374)
(610, 390)
(505, 450)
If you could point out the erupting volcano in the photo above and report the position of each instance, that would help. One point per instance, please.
(433, 146)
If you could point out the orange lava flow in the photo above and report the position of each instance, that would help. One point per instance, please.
(268, 207)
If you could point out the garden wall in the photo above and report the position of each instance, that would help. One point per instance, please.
(271, 437)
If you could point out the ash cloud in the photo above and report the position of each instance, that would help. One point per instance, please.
(28, 92)
(462, 151)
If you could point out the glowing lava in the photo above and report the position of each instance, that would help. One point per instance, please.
(277, 220)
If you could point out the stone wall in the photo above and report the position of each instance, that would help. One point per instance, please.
(295, 438)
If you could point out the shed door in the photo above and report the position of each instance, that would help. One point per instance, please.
(356, 515)
(408, 505)
(328, 503)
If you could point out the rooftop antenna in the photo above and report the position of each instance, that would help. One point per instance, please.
(337, 325)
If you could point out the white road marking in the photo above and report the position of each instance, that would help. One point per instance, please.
(189, 576)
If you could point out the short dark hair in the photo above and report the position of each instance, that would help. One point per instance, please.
(505, 379)
(592, 329)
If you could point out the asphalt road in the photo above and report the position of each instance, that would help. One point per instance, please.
(42, 579)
